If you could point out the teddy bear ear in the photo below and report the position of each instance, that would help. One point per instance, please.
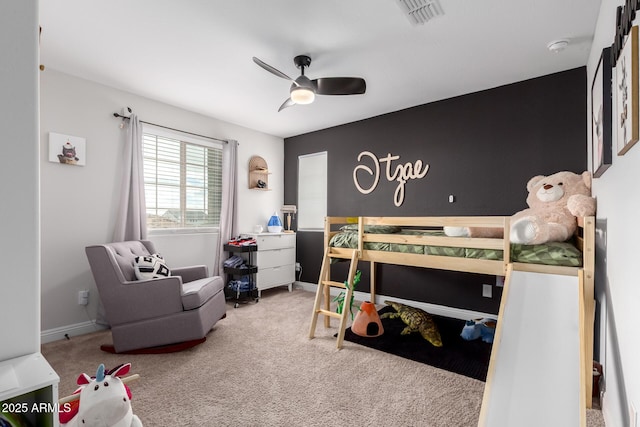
(534, 181)
(586, 177)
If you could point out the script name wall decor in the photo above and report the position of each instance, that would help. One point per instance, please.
(401, 174)
(625, 15)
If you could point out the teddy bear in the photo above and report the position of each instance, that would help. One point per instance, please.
(554, 203)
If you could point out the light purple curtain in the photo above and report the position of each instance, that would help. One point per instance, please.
(228, 212)
(131, 219)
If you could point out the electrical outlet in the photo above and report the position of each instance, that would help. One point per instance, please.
(298, 266)
(487, 291)
(83, 297)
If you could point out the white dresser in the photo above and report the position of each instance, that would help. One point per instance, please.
(275, 259)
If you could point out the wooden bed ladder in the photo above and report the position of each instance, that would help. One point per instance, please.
(324, 288)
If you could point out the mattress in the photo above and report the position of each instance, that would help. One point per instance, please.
(555, 253)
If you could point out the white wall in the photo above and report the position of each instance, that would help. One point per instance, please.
(617, 283)
(19, 184)
(78, 202)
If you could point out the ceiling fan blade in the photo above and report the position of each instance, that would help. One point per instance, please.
(285, 104)
(340, 86)
(272, 70)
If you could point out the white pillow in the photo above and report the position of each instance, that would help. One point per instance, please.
(150, 267)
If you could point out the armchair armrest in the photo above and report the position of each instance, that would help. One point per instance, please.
(191, 273)
(144, 299)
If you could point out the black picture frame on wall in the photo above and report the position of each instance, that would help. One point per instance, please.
(601, 115)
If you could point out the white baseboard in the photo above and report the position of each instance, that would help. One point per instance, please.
(68, 331)
(439, 310)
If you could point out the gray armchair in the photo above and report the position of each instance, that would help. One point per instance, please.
(157, 312)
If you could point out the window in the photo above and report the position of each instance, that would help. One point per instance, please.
(312, 191)
(182, 180)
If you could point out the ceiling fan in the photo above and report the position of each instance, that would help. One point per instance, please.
(303, 90)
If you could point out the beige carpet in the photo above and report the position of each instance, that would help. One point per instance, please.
(258, 368)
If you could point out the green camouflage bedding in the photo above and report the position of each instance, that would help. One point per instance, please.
(556, 253)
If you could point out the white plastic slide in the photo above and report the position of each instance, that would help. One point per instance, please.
(534, 376)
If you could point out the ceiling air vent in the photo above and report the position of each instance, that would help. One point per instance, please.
(420, 11)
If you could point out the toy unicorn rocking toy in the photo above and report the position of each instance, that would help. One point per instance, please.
(105, 401)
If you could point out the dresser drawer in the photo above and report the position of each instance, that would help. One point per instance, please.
(275, 257)
(275, 276)
(275, 241)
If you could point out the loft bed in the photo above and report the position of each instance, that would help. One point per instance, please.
(421, 242)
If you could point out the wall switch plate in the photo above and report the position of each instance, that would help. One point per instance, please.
(487, 291)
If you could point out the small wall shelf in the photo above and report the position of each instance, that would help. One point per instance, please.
(258, 171)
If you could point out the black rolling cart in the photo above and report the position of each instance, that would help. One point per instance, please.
(241, 282)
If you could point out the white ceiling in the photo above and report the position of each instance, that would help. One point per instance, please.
(197, 54)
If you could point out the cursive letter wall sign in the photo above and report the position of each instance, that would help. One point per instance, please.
(402, 173)
(625, 15)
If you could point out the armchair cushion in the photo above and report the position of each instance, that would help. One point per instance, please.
(198, 292)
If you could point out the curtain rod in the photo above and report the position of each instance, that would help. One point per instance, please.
(177, 130)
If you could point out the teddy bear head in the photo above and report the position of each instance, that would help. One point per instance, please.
(557, 188)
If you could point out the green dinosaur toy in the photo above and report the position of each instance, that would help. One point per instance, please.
(341, 296)
(416, 320)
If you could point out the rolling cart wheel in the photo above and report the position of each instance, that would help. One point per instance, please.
(257, 299)
(236, 305)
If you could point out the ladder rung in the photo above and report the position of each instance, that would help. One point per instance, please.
(334, 284)
(330, 313)
(342, 256)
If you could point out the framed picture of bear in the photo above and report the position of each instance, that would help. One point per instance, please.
(67, 149)
(601, 115)
(627, 132)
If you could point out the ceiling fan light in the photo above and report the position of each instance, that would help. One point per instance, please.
(302, 95)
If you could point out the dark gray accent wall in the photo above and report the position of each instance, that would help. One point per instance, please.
(481, 147)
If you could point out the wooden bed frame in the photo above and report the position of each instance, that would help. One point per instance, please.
(584, 240)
